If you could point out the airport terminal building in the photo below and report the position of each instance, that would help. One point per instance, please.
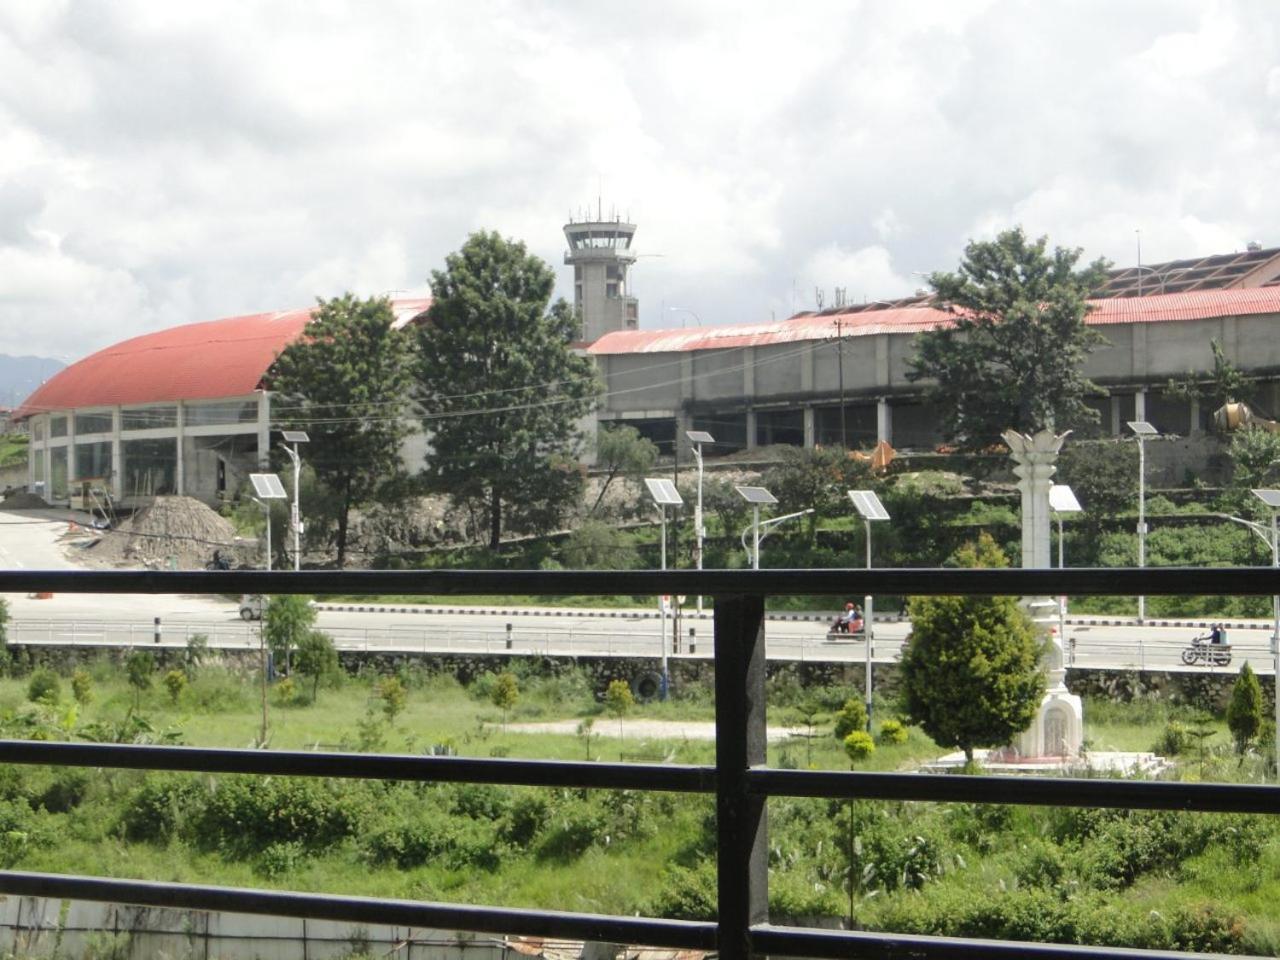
(186, 410)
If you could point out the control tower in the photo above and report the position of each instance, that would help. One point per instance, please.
(601, 256)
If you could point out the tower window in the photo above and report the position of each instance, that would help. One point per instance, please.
(610, 289)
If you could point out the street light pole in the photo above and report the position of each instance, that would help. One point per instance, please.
(698, 438)
(869, 508)
(844, 436)
(1144, 431)
(293, 438)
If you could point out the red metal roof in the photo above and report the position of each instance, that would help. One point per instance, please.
(197, 361)
(861, 322)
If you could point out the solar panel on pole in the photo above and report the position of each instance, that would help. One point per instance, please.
(295, 436)
(663, 491)
(868, 505)
(268, 486)
(1062, 499)
(698, 436)
(756, 496)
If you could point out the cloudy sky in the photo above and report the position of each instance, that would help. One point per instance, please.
(163, 161)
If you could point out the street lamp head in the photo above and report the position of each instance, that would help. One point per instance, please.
(868, 505)
(295, 436)
(1142, 429)
(1062, 499)
(699, 436)
(1270, 497)
(663, 491)
(756, 496)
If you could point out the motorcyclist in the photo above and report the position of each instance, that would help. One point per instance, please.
(850, 621)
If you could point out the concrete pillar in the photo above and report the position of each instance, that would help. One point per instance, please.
(884, 420)
(117, 458)
(179, 470)
(73, 471)
(749, 373)
(751, 429)
(809, 430)
(1195, 417)
(687, 391)
(1115, 415)
(264, 431)
(806, 371)
(1140, 404)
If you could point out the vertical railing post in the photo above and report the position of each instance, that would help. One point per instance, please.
(741, 739)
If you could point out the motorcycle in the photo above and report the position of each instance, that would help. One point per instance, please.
(837, 632)
(1210, 654)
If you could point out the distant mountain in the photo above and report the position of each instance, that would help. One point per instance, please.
(19, 376)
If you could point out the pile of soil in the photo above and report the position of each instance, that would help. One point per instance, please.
(172, 532)
(23, 501)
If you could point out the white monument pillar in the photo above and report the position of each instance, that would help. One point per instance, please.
(1058, 730)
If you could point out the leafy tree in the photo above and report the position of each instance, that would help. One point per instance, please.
(347, 382)
(816, 479)
(1104, 476)
(501, 389)
(44, 687)
(316, 659)
(618, 700)
(595, 545)
(622, 451)
(196, 654)
(587, 730)
(175, 681)
(971, 673)
(286, 620)
(852, 716)
(1244, 710)
(1226, 384)
(138, 667)
(1253, 453)
(1013, 353)
(719, 498)
(505, 693)
(394, 697)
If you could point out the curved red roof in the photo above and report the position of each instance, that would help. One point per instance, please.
(1160, 308)
(197, 361)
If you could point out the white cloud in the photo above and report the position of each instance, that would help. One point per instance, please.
(164, 163)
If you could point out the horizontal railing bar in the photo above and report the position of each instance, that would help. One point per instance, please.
(297, 763)
(408, 913)
(771, 940)
(1033, 791)
(1091, 581)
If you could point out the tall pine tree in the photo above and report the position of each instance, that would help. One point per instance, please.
(347, 382)
(500, 388)
(1013, 354)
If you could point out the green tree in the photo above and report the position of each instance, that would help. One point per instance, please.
(618, 700)
(1253, 452)
(852, 716)
(317, 658)
(817, 479)
(394, 697)
(505, 693)
(971, 674)
(1244, 709)
(347, 382)
(286, 620)
(501, 389)
(595, 545)
(1225, 384)
(138, 667)
(44, 687)
(82, 687)
(858, 746)
(621, 451)
(175, 681)
(1013, 353)
(1104, 476)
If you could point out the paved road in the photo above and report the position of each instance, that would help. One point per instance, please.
(27, 542)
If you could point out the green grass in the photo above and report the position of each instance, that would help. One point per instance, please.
(13, 450)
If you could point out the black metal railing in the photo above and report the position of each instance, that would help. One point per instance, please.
(739, 779)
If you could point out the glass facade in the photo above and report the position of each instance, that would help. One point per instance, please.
(100, 422)
(58, 472)
(57, 426)
(93, 460)
(150, 467)
(223, 411)
(149, 418)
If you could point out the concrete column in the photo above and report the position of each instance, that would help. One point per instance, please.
(751, 429)
(882, 360)
(73, 471)
(682, 448)
(1195, 417)
(806, 371)
(749, 373)
(180, 470)
(687, 391)
(264, 430)
(1140, 404)
(1115, 415)
(884, 420)
(117, 458)
(809, 430)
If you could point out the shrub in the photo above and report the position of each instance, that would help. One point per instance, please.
(281, 858)
(66, 791)
(859, 745)
(21, 830)
(286, 691)
(892, 733)
(686, 893)
(526, 815)
(1173, 741)
(175, 681)
(852, 716)
(82, 687)
(394, 697)
(1244, 711)
(246, 814)
(159, 809)
(457, 842)
(44, 687)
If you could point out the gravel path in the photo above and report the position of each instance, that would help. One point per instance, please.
(647, 729)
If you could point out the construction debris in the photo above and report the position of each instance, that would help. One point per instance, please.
(23, 501)
(173, 533)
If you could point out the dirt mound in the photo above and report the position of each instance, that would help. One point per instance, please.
(23, 501)
(171, 532)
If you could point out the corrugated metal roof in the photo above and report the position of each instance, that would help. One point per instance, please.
(1162, 308)
(197, 361)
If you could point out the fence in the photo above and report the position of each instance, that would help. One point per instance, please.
(739, 780)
